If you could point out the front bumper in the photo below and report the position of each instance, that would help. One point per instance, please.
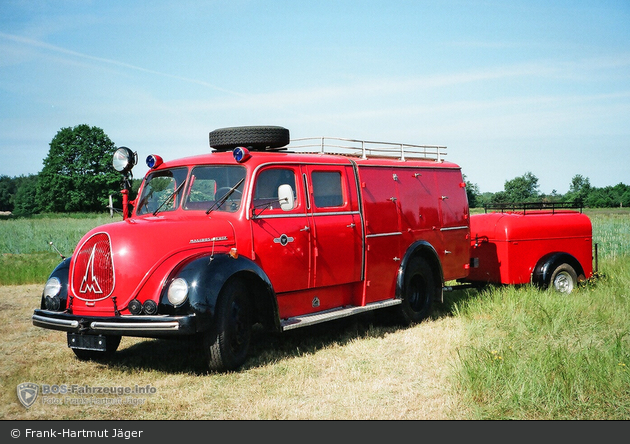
(140, 326)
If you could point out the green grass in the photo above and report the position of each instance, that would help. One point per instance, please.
(533, 354)
(26, 256)
(611, 231)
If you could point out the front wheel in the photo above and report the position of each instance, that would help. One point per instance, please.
(420, 288)
(563, 279)
(227, 343)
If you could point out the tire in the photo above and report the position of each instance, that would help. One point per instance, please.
(91, 355)
(563, 279)
(227, 343)
(253, 137)
(420, 288)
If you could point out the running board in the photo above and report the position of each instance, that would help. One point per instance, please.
(334, 313)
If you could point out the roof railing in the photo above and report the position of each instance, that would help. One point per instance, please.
(524, 206)
(367, 149)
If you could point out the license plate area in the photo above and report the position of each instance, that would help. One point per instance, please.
(87, 342)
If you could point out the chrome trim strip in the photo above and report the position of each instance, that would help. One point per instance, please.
(56, 322)
(142, 326)
(384, 234)
(332, 213)
(276, 216)
(336, 213)
(464, 227)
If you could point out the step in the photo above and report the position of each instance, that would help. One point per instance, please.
(334, 313)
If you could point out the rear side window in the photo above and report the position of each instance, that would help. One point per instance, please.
(327, 191)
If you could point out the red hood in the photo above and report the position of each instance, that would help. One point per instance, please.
(132, 258)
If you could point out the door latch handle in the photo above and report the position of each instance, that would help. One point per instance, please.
(352, 225)
(306, 228)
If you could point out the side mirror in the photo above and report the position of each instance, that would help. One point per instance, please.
(285, 196)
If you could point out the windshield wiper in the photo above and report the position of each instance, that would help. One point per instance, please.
(169, 198)
(222, 200)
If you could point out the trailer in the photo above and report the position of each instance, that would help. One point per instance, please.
(549, 245)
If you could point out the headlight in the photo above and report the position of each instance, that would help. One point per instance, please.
(52, 288)
(52, 301)
(124, 159)
(177, 291)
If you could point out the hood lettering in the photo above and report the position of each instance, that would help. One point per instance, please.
(208, 239)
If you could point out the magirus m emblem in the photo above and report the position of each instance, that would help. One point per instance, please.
(27, 393)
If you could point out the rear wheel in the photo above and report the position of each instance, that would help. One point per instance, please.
(420, 288)
(227, 343)
(563, 279)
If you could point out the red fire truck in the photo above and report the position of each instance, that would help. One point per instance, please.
(287, 234)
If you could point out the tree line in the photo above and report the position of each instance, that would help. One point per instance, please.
(78, 176)
(525, 188)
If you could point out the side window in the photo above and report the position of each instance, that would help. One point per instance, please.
(327, 190)
(266, 190)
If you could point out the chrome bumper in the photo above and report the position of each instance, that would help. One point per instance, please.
(143, 326)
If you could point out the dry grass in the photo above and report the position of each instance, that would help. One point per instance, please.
(344, 370)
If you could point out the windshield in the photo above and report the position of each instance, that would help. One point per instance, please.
(159, 191)
(209, 184)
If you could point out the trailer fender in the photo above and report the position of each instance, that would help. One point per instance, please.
(207, 275)
(547, 265)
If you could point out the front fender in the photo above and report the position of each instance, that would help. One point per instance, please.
(206, 276)
(61, 272)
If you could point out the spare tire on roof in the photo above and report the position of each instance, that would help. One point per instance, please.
(252, 137)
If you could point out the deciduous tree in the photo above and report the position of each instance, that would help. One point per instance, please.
(78, 174)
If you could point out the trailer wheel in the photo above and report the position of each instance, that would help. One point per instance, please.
(112, 343)
(563, 279)
(227, 343)
(418, 293)
(254, 137)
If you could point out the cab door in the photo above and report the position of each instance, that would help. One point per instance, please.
(282, 239)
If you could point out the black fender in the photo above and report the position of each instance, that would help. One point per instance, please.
(419, 248)
(541, 276)
(61, 272)
(206, 276)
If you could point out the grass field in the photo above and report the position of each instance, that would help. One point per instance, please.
(503, 353)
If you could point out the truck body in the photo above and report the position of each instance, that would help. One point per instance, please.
(263, 231)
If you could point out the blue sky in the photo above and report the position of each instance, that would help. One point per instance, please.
(508, 86)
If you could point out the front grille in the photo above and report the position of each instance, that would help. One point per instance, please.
(93, 272)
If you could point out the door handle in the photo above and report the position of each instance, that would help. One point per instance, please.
(352, 225)
(306, 228)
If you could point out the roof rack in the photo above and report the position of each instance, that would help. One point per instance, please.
(367, 149)
(524, 206)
